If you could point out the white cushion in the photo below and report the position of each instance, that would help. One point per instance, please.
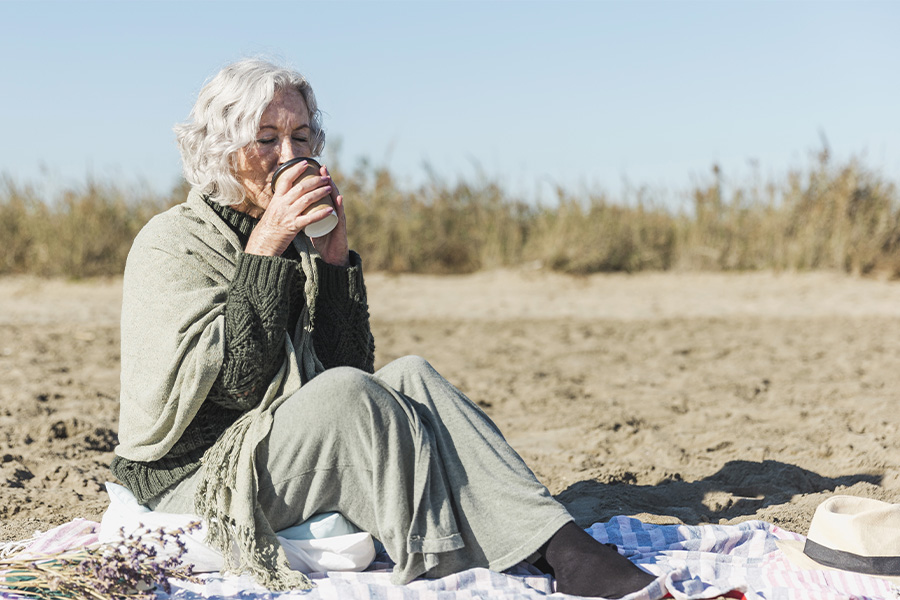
(326, 542)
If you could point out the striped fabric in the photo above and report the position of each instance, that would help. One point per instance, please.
(708, 561)
(74, 534)
(705, 562)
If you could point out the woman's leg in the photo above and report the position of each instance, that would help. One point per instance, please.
(406, 456)
(346, 442)
(504, 513)
(495, 476)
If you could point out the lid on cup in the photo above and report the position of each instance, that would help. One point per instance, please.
(282, 168)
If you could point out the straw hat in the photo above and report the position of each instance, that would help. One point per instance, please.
(849, 533)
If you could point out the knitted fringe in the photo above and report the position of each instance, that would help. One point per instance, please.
(233, 522)
(226, 495)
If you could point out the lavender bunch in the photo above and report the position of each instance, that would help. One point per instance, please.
(130, 569)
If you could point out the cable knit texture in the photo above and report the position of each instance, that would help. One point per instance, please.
(264, 301)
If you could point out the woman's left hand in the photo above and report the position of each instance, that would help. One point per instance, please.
(333, 247)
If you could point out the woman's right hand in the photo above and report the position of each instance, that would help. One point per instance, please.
(283, 219)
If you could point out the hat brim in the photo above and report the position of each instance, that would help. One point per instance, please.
(793, 550)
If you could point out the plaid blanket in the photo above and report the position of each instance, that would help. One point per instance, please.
(712, 560)
(692, 562)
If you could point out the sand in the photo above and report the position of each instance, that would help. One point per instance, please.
(695, 398)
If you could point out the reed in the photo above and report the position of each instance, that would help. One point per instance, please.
(842, 217)
(84, 232)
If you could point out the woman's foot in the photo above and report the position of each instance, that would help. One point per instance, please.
(583, 566)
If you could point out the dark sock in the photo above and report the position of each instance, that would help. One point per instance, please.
(542, 565)
(585, 567)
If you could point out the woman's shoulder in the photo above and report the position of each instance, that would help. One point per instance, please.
(187, 224)
(187, 238)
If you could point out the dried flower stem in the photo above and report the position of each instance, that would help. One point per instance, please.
(127, 570)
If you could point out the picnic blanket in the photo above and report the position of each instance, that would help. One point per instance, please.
(692, 562)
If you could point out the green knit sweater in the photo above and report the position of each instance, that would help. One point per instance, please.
(265, 300)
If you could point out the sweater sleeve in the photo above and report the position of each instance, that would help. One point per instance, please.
(340, 317)
(257, 311)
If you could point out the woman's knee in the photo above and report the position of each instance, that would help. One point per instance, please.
(343, 395)
(413, 363)
(405, 366)
(341, 381)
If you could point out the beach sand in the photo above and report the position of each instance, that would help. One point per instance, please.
(673, 397)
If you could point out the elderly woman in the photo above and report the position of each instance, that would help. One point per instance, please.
(248, 394)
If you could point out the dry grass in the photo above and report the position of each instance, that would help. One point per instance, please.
(829, 216)
(85, 232)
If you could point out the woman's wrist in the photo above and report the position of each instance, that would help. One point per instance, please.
(345, 263)
(264, 244)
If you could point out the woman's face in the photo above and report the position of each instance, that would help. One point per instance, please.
(284, 133)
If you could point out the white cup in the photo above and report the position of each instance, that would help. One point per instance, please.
(319, 228)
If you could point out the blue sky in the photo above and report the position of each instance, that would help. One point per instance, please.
(585, 95)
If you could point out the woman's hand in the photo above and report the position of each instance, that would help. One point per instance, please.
(283, 218)
(333, 247)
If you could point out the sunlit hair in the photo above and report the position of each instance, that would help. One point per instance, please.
(226, 118)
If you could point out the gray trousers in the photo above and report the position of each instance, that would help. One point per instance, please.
(407, 457)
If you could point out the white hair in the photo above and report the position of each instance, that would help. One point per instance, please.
(226, 118)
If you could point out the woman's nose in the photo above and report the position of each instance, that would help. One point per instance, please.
(287, 151)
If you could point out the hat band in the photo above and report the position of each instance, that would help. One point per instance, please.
(847, 561)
